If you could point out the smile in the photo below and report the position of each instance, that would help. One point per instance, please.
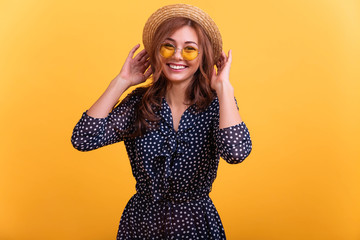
(176, 67)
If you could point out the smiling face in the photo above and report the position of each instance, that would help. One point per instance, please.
(175, 68)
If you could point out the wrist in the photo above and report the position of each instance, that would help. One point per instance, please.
(225, 89)
(121, 83)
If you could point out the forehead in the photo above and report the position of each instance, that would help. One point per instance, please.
(185, 34)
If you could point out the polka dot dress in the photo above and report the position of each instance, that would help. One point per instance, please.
(174, 170)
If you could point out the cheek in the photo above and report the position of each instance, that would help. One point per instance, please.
(199, 60)
(162, 64)
(196, 64)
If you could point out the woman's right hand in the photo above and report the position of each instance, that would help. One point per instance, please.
(134, 69)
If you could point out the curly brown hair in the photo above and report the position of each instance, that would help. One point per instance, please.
(199, 91)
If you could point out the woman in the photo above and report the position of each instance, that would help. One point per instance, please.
(175, 129)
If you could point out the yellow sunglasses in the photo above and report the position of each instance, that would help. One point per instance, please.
(189, 53)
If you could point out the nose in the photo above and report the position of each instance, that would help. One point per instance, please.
(178, 55)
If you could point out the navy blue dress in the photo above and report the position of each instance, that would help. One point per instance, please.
(174, 170)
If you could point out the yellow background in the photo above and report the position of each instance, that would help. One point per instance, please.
(297, 81)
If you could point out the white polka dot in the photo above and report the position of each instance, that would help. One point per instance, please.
(174, 170)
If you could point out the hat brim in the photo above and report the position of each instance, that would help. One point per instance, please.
(187, 11)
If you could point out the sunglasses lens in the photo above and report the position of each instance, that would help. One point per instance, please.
(167, 50)
(190, 53)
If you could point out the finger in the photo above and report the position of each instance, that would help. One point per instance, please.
(144, 66)
(148, 73)
(218, 64)
(230, 57)
(144, 58)
(221, 62)
(224, 57)
(140, 55)
(221, 59)
(132, 51)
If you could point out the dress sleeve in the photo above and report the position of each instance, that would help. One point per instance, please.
(91, 133)
(233, 143)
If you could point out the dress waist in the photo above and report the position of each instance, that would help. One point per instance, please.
(175, 197)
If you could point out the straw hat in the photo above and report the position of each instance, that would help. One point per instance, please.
(188, 11)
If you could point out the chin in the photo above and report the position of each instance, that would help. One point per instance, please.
(178, 77)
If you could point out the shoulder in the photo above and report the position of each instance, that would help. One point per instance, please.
(214, 104)
(135, 96)
(212, 110)
(206, 103)
(131, 100)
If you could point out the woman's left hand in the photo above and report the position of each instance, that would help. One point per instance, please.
(221, 78)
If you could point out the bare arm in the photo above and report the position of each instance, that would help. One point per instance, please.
(102, 107)
(132, 73)
(231, 135)
(98, 126)
(229, 114)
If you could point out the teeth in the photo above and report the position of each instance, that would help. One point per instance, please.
(176, 67)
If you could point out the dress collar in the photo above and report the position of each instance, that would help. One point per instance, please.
(188, 118)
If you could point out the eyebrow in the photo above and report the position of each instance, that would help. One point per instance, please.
(185, 42)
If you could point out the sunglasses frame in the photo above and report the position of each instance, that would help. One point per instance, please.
(179, 49)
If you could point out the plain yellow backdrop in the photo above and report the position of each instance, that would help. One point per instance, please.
(297, 81)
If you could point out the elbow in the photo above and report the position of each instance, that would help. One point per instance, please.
(80, 148)
(80, 144)
(236, 158)
(238, 155)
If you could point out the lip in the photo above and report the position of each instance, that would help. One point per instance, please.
(175, 64)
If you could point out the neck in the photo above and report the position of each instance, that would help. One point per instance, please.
(175, 94)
